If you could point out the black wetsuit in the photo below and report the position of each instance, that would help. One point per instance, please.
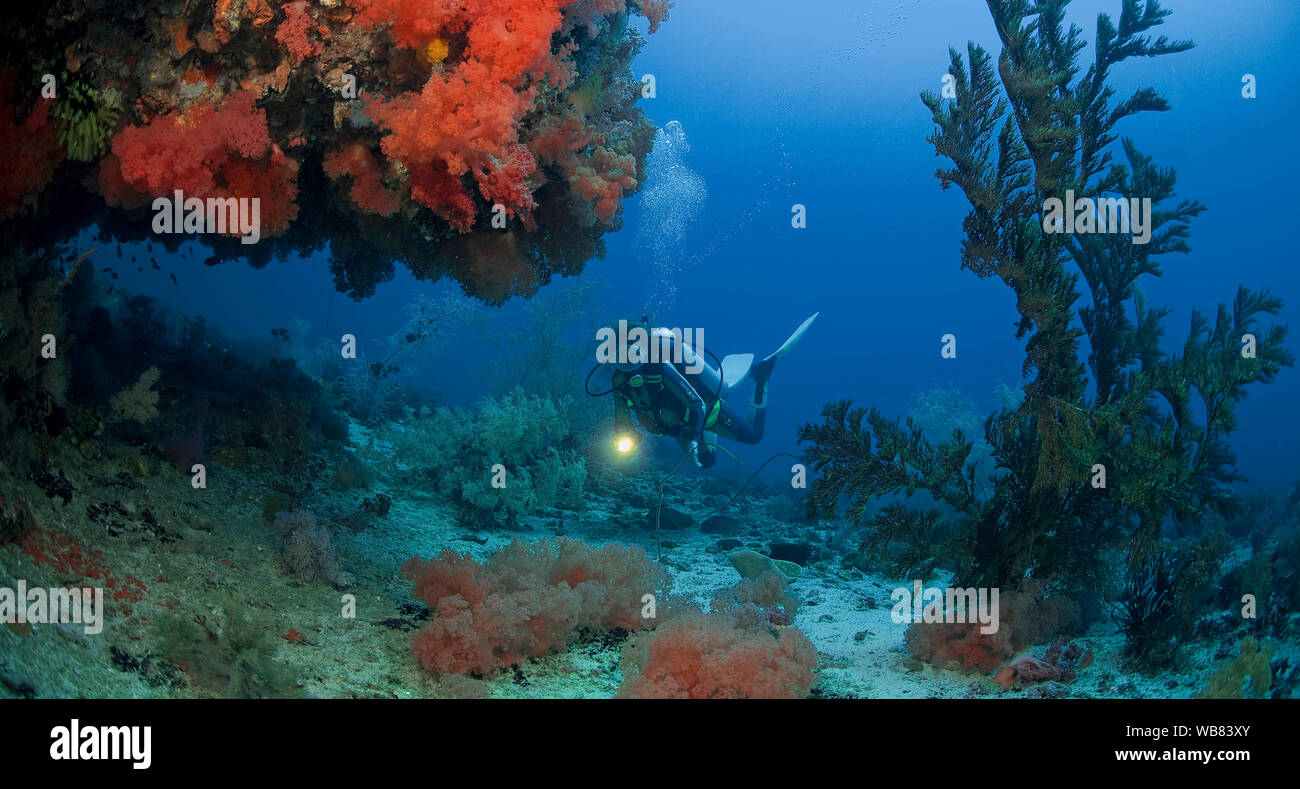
(666, 402)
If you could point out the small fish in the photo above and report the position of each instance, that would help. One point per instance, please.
(105, 269)
(212, 261)
(133, 258)
(138, 270)
(173, 276)
(113, 275)
(156, 266)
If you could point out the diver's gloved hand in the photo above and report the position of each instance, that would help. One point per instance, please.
(705, 454)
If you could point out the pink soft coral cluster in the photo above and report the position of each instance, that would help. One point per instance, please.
(720, 655)
(205, 151)
(526, 600)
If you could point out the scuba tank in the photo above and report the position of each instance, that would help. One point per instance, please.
(708, 381)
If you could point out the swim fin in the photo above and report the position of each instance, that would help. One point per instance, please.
(762, 370)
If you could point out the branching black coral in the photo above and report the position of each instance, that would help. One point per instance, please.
(1104, 447)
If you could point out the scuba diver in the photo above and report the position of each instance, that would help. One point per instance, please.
(666, 384)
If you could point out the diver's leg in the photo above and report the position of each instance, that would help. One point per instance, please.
(731, 424)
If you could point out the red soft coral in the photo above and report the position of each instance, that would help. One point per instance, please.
(594, 172)
(413, 23)
(459, 123)
(273, 183)
(31, 147)
(206, 151)
(718, 656)
(655, 10)
(186, 150)
(525, 601)
(438, 189)
(505, 182)
(293, 32)
(465, 119)
(368, 191)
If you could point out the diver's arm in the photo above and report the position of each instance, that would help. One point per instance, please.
(622, 416)
(675, 381)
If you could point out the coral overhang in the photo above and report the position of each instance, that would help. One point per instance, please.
(409, 126)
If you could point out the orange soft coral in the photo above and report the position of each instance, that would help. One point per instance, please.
(465, 120)
(1027, 616)
(603, 180)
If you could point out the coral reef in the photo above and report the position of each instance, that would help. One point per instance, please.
(433, 120)
(526, 600)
